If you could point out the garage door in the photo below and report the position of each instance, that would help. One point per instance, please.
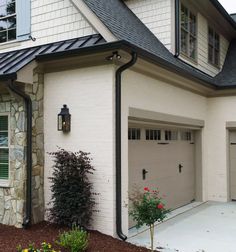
(163, 158)
(233, 165)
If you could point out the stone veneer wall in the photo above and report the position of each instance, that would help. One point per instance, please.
(13, 196)
(36, 93)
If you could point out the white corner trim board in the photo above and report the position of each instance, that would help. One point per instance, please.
(94, 20)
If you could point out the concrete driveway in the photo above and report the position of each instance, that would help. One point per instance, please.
(209, 227)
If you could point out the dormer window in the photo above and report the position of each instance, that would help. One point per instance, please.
(7, 20)
(188, 33)
(213, 47)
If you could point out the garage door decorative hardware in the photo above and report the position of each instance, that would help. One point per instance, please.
(144, 173)
(163, 143)
(233, 143)
(180, 168)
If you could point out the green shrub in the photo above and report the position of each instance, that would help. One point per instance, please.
(72, 201)
(76, 240)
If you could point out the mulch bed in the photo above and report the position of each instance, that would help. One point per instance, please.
(11, 237)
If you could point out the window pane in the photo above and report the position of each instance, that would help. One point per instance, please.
(4, 156)
(217, 41)
(186, 136)
(3, 11)
(11, 22)
(210, 54)
(129, 133)
(167, 135)
(138, 134)
(147, 135)
(184, 17)
(184, 41)
(192, 24)
(3, 139)
(192, 47)
(210, 37)
(3, 24)
(3, 36)
(11, 34)
(217, 57)
(151, 134)
(3, 2)
(11, 8)
(3, 123)
(4, 171)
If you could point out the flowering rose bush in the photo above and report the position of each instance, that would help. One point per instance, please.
(148, 208)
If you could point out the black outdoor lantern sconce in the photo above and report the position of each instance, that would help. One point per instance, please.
(64, 119)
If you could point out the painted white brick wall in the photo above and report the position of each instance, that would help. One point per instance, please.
(53, 20)
(156, 15)
(89, 95)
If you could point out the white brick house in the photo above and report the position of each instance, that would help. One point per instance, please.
(150, 85)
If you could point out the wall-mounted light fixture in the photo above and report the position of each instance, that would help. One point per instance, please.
(64, 119)
(114, 56)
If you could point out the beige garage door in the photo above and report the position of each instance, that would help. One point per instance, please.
(163, 158)
(233, 165)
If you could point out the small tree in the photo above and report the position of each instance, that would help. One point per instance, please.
(72, 201)
(148, 208)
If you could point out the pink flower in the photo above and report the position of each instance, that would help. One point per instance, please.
(160, 206)
(146, 189)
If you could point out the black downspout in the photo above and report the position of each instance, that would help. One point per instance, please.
(118, 145)
(177, 27)
(28, 102)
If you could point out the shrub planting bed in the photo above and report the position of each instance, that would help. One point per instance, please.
(11, 237)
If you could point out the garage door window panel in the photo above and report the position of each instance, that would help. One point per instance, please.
(153, 134)
(186, 136)
(171, 135)
(134, 134)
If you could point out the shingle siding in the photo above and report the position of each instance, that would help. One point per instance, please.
(53, 20)
(156, 15)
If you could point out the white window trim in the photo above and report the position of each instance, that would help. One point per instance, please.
(6, 182)
(183, 54)
(214, 32)
(8, 16)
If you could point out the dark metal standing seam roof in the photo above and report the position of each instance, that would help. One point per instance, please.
(11, 62)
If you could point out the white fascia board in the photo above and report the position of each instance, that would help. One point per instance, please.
(94, 20)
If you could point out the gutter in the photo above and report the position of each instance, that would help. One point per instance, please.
(27, 219)
(128, 47)
(119, 72)
(177, 33)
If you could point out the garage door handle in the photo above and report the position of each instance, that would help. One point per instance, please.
(180, 168)
(144, 173)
